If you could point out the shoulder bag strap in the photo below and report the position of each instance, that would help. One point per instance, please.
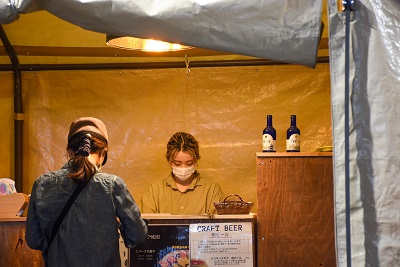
(65, 211)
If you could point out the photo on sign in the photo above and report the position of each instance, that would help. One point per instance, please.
(165, 246)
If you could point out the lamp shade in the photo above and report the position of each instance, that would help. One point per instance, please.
(146, 45)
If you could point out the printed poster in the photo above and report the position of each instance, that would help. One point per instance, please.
(221, 244)
(165, 246)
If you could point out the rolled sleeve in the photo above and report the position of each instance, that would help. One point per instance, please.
(217, 196)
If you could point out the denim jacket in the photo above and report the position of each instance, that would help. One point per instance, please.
(88, 235)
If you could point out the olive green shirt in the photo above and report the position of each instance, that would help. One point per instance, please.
(164, 197)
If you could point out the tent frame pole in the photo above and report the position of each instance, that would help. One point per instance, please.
(18, 112)
(150, 65)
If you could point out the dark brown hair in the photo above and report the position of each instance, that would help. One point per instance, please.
(182, 142)
(81, 170)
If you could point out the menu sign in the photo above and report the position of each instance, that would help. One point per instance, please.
(166, 246)
(221, 244)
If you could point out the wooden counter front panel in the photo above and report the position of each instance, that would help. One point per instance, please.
(13, 248)
(295, 212)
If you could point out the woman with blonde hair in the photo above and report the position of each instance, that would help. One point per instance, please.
(183, 191)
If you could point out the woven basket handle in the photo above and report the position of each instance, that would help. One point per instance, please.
(230, 195)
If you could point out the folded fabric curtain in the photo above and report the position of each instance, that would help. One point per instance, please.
(282, 30)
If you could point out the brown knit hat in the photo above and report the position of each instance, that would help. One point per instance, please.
(89, 125)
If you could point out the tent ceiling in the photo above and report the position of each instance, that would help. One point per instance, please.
(42, 38)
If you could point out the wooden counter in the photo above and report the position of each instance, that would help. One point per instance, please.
(15, 252)
(169, 234)
(295, 213)
(13, 248)
(157, 218)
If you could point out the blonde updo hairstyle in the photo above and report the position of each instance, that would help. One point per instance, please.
(184, 142)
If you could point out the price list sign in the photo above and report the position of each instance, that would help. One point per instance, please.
(221, 244)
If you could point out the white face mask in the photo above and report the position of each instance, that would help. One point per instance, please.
(183, 173)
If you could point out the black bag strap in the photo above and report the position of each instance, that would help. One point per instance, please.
(65, 211)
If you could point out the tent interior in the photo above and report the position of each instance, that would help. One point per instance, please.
(221, 98)
(53, 71)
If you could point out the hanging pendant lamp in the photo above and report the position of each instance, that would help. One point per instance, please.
(146, 45)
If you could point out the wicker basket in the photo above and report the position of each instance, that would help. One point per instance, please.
(233, 207)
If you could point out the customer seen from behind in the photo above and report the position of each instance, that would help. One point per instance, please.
(86, 234)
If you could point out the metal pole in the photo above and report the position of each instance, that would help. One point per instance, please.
(347, 5)
(150, 65)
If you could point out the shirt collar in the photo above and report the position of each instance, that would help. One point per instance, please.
(169, 181)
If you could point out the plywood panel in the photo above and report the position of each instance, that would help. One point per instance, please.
(13, 249)
(295, 211)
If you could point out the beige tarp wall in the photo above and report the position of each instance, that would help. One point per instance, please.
(6, 124)
(224, 108)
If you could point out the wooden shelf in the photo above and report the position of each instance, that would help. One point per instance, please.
(293, 154)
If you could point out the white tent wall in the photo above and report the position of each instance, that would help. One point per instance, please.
(374, 164)
(286, 31)
(224, 108)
